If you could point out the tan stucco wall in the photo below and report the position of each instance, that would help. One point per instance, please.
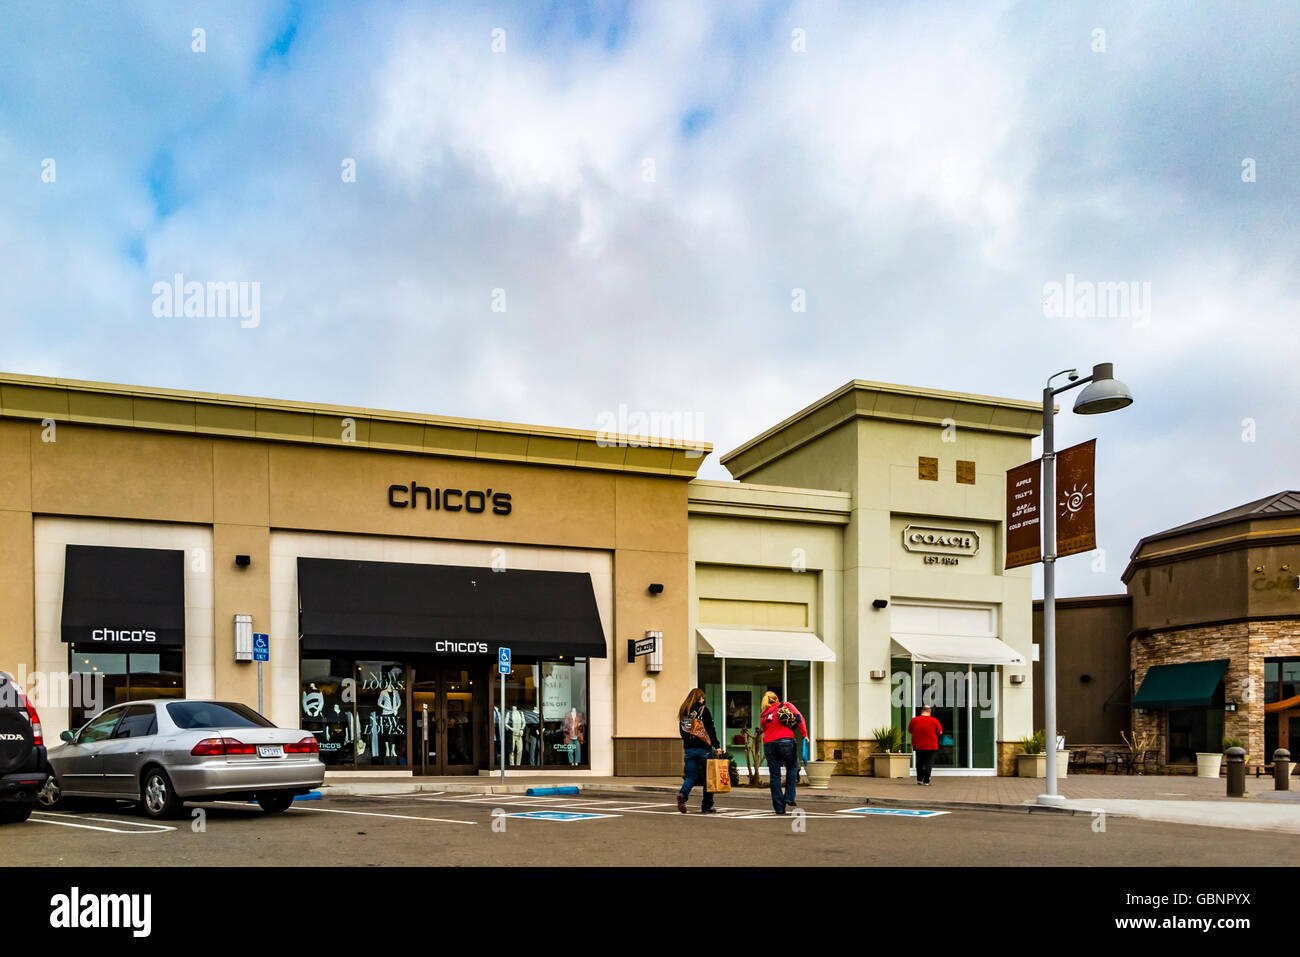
(242, 487)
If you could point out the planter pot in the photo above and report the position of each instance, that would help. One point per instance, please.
(885, 765)
(1031, 765)
(819, 774)
(1207, 764)
(1062, 763)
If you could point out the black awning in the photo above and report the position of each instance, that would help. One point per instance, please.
(124, 598)
(402, 608)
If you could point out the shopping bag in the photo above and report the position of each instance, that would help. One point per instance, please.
(717, 775)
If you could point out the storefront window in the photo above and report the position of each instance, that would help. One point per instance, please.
(328, 692)
(128, 676)
(798, 689)
(964, 700)
(564, 718)
(523, 738)
(381, 714)
(900, 696)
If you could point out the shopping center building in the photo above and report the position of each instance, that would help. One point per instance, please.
(856, 567)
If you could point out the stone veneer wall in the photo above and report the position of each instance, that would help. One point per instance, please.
(1007, 751)
(648, 757)
(855, 755)
(1246, 645)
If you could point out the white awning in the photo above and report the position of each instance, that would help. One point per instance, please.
(779, 645)
(958, 650)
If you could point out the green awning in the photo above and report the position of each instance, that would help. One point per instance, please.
(1190, 685)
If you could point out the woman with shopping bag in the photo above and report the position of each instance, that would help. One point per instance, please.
(699, 744)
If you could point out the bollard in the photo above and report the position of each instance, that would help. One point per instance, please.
(1236, 772)
(1281, 770)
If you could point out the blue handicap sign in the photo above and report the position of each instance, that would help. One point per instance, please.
(261, 647)
(893, 811)
(503, 660)
(559, 815)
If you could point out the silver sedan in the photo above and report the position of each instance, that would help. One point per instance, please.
(165, 752)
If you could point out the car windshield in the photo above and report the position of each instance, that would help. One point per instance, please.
(195, 715)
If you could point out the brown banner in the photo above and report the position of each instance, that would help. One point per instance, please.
(1076, 515)
(1023, 539)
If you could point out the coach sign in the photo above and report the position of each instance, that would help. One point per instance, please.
(933, 540)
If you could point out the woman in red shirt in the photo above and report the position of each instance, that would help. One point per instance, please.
(926, 732)
(778, 749)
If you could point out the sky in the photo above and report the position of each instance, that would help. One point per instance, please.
(711, 212)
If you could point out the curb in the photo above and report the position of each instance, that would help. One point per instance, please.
(371, 789)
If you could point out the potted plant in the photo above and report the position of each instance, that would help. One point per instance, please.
(819, 773)
(1062, 754)
(890, 760)
(1031, 762)
(1208, 763)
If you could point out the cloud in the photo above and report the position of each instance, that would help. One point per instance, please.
(650, 187)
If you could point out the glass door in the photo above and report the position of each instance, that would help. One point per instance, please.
(444, 738)
(457, 737)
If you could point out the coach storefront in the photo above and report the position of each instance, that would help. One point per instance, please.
(387, 556)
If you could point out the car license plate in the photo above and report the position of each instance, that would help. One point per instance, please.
(270, 750)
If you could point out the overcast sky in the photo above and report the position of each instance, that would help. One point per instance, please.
(645, 187)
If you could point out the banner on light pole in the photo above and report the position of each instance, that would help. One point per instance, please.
(1076, 513)
(1024, 541)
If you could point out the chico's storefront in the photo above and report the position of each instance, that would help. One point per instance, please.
(398, 665)
(386, 556)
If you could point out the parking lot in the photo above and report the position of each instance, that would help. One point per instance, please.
(613, 829)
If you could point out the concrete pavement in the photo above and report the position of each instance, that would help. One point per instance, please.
(1170, 798)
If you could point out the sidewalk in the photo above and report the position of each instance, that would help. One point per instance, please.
(1175, 799)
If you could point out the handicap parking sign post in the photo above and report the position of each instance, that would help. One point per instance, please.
(503, 667)
(261, 652)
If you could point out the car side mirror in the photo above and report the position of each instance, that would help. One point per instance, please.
(67, 736)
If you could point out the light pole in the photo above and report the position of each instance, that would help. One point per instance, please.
(1104, 393)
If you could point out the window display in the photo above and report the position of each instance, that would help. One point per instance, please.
(521, 719)
(564, 718)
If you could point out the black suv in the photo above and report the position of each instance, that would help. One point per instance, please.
(24, 767)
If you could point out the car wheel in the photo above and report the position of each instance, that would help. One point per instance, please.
(157, 795)
(275, 802)
(15, 813)
(50, 796)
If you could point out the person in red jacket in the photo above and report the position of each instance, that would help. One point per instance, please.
(779, 750)
(926, 731)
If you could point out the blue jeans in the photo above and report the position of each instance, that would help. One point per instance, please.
(693, 774)
(780, 754)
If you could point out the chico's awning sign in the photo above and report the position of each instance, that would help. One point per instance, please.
(124, 598)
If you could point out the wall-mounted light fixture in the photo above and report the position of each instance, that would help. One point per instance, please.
(878, 674)
(1230, 706)
(1017, 679)
(243, 560)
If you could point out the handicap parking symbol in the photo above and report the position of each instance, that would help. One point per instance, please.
(559, 815)
(892, 811)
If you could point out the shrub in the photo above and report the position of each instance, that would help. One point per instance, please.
(1036, 743)
(889, 738)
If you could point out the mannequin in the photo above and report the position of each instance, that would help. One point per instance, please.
(515, 724)
(575, 730)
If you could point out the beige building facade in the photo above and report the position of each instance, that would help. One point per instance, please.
(857, 567)
(147, 535)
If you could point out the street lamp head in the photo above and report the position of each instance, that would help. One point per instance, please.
(1104, 393)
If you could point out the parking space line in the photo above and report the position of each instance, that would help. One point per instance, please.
(48, 817)
(402, 817)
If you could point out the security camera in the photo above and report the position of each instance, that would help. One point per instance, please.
(1073, 376)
